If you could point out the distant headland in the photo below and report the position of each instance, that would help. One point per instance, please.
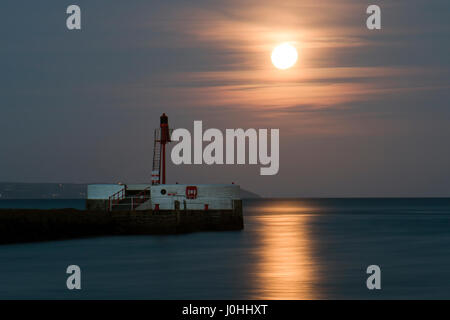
(17, 190)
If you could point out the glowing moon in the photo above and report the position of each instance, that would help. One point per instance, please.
(284, 56)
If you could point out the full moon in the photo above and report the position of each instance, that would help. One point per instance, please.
(284, 56)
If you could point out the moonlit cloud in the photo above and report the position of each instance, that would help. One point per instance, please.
(360, 114)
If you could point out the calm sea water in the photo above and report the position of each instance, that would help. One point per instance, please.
(290, 249)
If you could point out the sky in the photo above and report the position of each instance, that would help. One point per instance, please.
(363, 113)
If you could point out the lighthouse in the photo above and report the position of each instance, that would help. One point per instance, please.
(162, 137)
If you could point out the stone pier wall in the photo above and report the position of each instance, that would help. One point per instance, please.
(17, 225)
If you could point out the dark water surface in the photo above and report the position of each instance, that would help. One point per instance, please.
(290, 249)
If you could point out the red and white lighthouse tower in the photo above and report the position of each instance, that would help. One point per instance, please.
(162, 137)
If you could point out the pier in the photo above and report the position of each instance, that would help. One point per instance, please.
(31, 225)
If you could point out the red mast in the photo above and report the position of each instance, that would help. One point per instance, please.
(165, 138)
(162, 137)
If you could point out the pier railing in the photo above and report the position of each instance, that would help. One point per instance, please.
(116, 198)
(120, 199)
(140, 198)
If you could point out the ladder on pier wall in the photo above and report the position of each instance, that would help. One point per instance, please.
(156, 168)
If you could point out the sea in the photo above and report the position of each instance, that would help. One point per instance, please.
(289, 249)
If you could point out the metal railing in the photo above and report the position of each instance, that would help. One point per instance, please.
(141, 197)
(116, 198)
(134, 201)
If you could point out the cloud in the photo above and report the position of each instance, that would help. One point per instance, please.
(353, 107)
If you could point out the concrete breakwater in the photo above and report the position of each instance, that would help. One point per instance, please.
(29, 225)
